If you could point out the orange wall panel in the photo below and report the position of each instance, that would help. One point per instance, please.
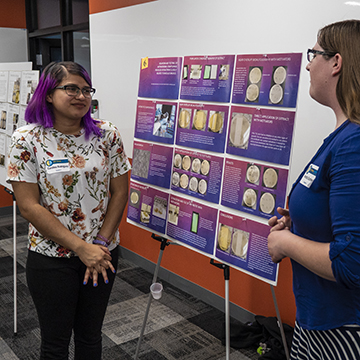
(12, 14)
(5, 198)
(96, 6)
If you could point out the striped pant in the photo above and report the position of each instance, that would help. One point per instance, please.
(336, 344)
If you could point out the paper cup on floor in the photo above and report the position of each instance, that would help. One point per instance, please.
(156, 290)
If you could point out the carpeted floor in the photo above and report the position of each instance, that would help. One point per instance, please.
(179, 326)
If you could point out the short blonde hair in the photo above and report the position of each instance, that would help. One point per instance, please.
(344, 38)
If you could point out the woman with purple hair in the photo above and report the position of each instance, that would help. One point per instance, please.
(69, 175)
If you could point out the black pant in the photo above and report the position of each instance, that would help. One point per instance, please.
(64, 304)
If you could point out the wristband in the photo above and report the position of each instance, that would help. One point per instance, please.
(99, 242)
(103, 238)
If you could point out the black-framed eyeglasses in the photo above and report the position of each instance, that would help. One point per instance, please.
(73, 90)
(311, 54)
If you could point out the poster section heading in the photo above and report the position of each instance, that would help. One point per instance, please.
(155, 121)
(192, 223)
(152, 163)
(148, 207)
(207, 78)
(243, 243)
(197, 174)
(160, 77)
(270, 80)
(202, 126)
(253, 188)
(262, 134)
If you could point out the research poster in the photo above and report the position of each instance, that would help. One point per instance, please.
(213, 137)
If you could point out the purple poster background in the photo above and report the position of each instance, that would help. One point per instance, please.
(253, 188)
(262, 134)
(197, 174)
(271, 80)
(207, 78)
(192, 223)
(202, 126)
(152, 164)
(160, 78)
(155, 121)
(148, 206)
(243, 243)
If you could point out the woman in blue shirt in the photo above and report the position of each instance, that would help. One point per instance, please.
(320, 232)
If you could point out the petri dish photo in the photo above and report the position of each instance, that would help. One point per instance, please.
(270, 178)
(177, 160)
(276, 94)
(239, 130)
(186, 162)
(252, 92)
(193, 184)
(267, 203)
(279, 75)
(175, 179)
(224, 237)
(253, 174)
(205, 167)
(184, 118)
(249, 198)
(255, 75)
(195, 167)
(216, 122)
(202, 186)
(239, 245)
(200, 120)
(184, 181)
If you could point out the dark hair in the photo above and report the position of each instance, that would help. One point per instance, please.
(343, 37)
(39, 110)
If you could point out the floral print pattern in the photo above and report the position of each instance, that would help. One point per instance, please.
(77, 193)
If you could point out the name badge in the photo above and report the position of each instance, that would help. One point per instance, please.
(57, 165)
(309, 176)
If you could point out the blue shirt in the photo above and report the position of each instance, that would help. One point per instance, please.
(324, 206)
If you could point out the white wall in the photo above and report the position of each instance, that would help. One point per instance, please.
(13, 45)
(120, 38)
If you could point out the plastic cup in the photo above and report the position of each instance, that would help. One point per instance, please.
(156, 290)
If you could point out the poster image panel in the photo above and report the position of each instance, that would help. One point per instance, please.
(254, 188)
(271, 79)
(148, 207)
(152, 163)
(12, 118)
(4, 79)
(197, 174)
(14, 87)
(3, 116)
(262, 134)
(202, 126)
(242, 243)
(192, 223)
(29, 81)
(155, 121)
(207, 78)
(160, 77)
(2, 149)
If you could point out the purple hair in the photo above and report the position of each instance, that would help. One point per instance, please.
(39, 110)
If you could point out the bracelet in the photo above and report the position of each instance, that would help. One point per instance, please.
(103, 238)
(99, 242)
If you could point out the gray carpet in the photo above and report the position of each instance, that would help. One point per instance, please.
(179, 326)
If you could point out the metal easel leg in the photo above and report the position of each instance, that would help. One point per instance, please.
(164, 243)
(280, 324)
(226, 269)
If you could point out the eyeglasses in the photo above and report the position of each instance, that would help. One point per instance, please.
(73, 90)
(311, 54)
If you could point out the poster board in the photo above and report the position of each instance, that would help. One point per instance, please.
(17, 85)
(211, 155)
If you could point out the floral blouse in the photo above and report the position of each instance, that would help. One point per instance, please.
(73, 175)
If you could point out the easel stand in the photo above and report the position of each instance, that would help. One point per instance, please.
(226, 269)
(163, 245)
(14, 259)
(280, 324)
